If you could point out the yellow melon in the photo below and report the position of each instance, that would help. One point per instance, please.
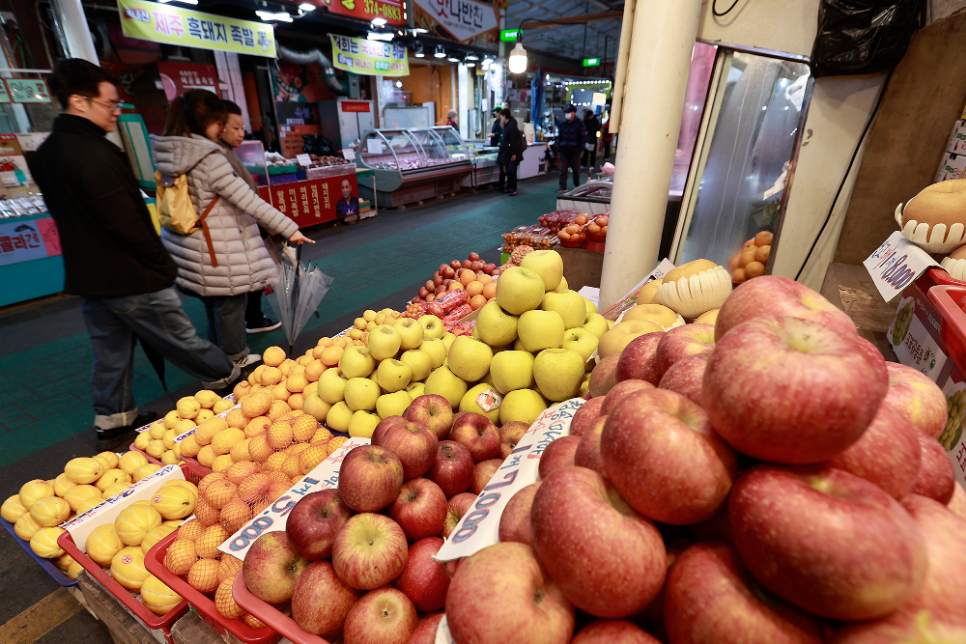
(110, 459)
(182, 426)
(155, 535)
(25, 527)
(132, 460)
(155, 448)
(50, 511)
(222, 406)
(74, 570)
(174, 502)
(44, 543)
(203, 415)
(156, 430)
(13, 509)
(141, 440)
(188, 485)
(170, 457)
(145, 470)
(207, 398)
(134, 522)
(203, 575)
(63, 562)
(62, 485)
(33, 491)
(188, 407)
(180, 557)
(127, 568)
(113, 490)
(80, 493)
(84, 470)
(112, 477)
(167, 439)
(158, 598)
(87, 504)
(102, 544)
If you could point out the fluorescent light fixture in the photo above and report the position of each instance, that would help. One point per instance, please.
(378, 22)
(420, 30)
(270, 16)
(453, 59)
(306, 7)
(384, 37)
(472, 56)
(439, 52)
(518, 59)
(471, 64)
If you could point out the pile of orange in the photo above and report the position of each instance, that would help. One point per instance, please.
(750, 261)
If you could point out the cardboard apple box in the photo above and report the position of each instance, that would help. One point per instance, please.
(956, 447)
(480, 527)
(325, 475)
(957, 140)
(918, 344)
(82, 525)
(951, 167)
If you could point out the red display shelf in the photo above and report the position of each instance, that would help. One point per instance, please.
(271, 615)
(202, 603)
(161, 623)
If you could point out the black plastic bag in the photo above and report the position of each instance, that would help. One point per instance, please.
(863, 36)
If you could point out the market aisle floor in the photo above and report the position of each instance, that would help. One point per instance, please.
(45, 403)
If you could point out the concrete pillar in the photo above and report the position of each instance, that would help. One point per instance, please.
(72, 25)
(657, 66)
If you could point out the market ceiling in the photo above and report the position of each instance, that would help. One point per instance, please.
(568, 41)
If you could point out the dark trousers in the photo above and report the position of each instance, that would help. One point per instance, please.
(606, 150)
(226, 324)
(253, 310)
(508, 178)
(569, 158)
(590, 159)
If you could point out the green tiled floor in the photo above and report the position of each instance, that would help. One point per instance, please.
(46, 396)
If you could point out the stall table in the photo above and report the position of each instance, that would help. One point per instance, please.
(31, 265)
(534, 161)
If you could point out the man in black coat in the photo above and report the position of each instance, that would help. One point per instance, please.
(511, 152)
(571, 136)
(113, 258)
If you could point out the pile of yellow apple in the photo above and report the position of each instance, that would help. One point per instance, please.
(158, 441)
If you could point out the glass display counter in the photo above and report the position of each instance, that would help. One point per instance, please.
(484, 159)
(412, 165)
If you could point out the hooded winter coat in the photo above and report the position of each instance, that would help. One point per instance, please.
(244, 264)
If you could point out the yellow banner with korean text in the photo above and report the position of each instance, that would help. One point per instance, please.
(176, 26)
(369, 57)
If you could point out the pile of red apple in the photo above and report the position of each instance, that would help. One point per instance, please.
(357, 560)
(449, 274)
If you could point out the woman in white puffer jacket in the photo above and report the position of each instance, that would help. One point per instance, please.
(242, 264)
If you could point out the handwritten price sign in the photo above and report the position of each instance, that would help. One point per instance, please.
(895, 264)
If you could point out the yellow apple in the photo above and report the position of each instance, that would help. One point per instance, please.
(393, 375)
(384, 342)
(518, 345)
(558, 373)
(416, 389)
(432, 326)
(315, 407)
(436, 349)
(596, 324)
(339, 416)
(591, 307)
(512, 370)
(361, 393)
(446, 384)
(519, 290)
(469, 403)
(569, 304)
(580, 340)
(419, 361)
(709, 317)
(356, 362)
(331, 386)
(469, 359)
(541, 330)
(410, 331)
(523, 405)
(563, 286)
(393, 404)
(448, 339)
(546, 263)
(621, 334)
(495, 326)
(363, 424)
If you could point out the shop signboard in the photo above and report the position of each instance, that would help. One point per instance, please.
(175, 26)
(27, 90)
(461, 20)
(315, 201)
(591, 62)
(23, 241)
(369, 57)
(392, 11)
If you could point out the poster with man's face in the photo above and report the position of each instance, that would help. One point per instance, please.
(349, 204)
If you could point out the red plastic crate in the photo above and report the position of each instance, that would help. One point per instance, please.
(202, 603)
(272, 616)
(937, 277)
(948, 300)
(162, 623)
(150, 458)
(195, 471)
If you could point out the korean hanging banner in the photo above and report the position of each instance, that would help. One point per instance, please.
(369, 57)
(175, 26)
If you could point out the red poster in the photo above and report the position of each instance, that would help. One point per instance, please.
(315, 201)
(393, 11)
(51, 236)
(355, 106)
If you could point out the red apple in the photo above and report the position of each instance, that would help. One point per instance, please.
(425, 633)
(826, 540)
(321, 600)
(489, 268)
(369, 551)
(957, 504)
(684, 341)
(478, 434)
(936, 478)
(314, 522)
(433, 411)
(383, 427)
(585, 416)
(917, 398)
(452, 470)
(483, 472)
(455, 509)
(440, 278)
(424, 580)
(710, 598)
(558, 455)
(420, 509)
(791, 391)
(620, 390)
(272, 567)
(370, 478)
(686, 377)
(510, 436)
(612, 631)
(384, 616)
(476, 266)
(638, 360)
(887, 454)
(466, 263)
(415, 445)
(905, 627)
(944, 590)
(772, 295)
(588, 450)
(430, 286)
(522, 602)
(442, 267)
(423, 292)
(515, 520)
(607, 560)
(604, 376)
(474, 257)
(455, 264)
(660, 452)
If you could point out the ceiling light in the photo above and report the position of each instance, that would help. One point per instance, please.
(378, 22)
(420, 30)
(439, 52)
(518, 59)
(418, 50)
(306, 7)
(453, 59)
(399, 83)
(270, 16)
(472, 56)
(384, 37)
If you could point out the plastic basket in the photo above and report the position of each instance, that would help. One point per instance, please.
(947, 300)
(59, 575)
(161, 623)
(195, 471)
(271, 615)
(937, 277)
(204, 605)
(150, 458)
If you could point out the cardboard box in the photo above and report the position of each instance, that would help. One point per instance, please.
(914, 334)
(952, 167)
(957, 140)
(953, 437)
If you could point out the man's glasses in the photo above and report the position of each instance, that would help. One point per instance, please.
(113, 106)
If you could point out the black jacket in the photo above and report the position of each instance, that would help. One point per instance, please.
(571, 135)
(495, 132)
(510, 143)
(109, 244)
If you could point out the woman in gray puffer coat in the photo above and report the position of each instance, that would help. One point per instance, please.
(242, 263)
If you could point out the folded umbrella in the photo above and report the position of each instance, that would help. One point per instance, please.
(296, 292)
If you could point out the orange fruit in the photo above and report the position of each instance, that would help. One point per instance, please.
(762, 254)
(738, 275)
(754, 269)
(466, 277)
(489, 291)
(474, 288)
(455, 285)
(477, 301)
(764, 238)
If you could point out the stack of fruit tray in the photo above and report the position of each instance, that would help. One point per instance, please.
(949, 301)
(141, 612)
(47, 564)
(272, 616)
(203, 605)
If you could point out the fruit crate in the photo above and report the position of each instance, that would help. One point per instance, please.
(161, 623)
(59, 575)
(150, 458)
(195, 471)
(271, 615)
(948, 300)
(204, 605)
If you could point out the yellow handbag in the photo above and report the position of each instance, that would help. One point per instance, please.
(177, 213)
